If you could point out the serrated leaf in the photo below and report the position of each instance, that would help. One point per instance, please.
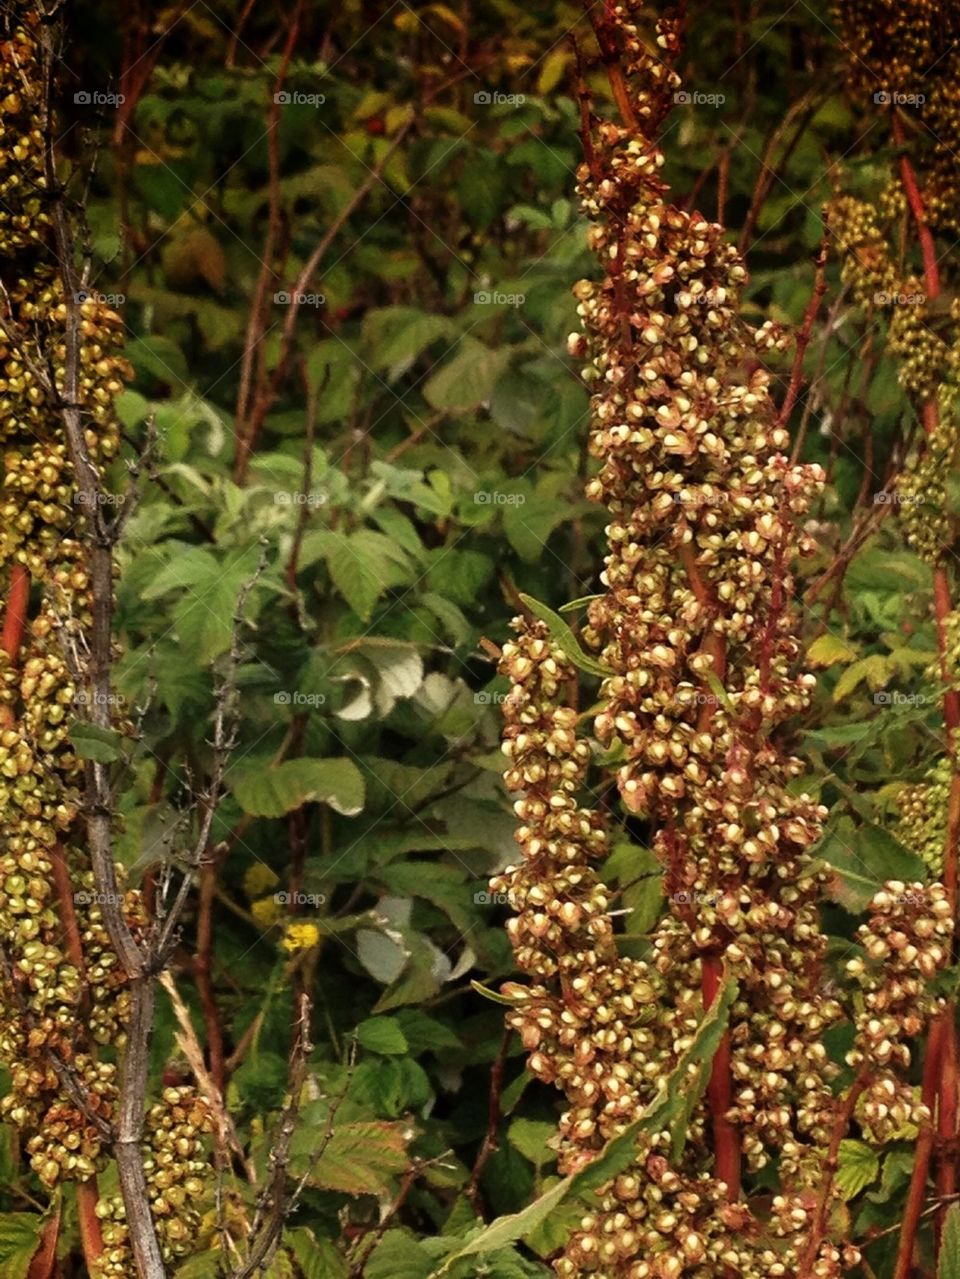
(398, 1256)
(316, 1255)
(564, 638)
(382, 1035)
(829, 649)
(396, 335)
(875, 669)
(281, 788)
(467, 379)
(362, 1158)
(90, 741)
(858, 1166)
(19, 1238)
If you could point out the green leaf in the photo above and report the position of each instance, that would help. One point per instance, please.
(398, 1256)
(949, 1265)
(316, 1255)
(382, 1035)
(281, 788)
(103, 745)
(530, 1137)
(828, 649)
(564, 638)
(468, 379)
(362, 565)
(858, 1166)
(360, 1158)
(19, 1239)
(671, 1108)
(396, 335)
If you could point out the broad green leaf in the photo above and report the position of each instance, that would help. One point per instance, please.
(316, 1255)
(530, 1137)
(360, 1158)
(858, 1166)
(468, 378)
(395, 335)
(19, 1238)
(399, 1256)
(382, 1035)
(276, 789)
(103, 745)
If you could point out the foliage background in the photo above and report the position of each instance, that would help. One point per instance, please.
(417, 461)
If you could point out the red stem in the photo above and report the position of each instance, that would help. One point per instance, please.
(726, 1141)
(921, 1163)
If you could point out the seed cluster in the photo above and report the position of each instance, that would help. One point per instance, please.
(696, 629)
(63, 1007)
(906, 942)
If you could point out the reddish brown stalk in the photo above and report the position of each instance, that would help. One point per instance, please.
(803, 337)
(947, 1076)
(489, 1143)
(922, 1154)
(16, 614)
(726, 1139)
(44, 1263)
(818, 1229)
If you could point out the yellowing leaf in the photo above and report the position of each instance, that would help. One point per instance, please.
(828, 650)
(876, 670)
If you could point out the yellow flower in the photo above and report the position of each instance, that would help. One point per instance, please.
(300, 937)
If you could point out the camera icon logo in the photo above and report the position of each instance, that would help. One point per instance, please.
(282, 298)
(883, 98)
(282, 699)
(282, 99)
(482, 98)
(482, 298)
(682, 98)
(82, 98)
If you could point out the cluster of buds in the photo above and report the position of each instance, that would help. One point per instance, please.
(63, 990)
(176, 1170)
(923, 814)
(906, 942)
(695, 629)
